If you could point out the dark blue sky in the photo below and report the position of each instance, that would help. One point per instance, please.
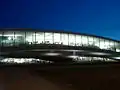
(100, 17)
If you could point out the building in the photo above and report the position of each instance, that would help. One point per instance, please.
(29, 45)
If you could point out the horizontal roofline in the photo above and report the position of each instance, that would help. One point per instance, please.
(53, 30)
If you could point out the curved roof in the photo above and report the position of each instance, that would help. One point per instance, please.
(56, 31)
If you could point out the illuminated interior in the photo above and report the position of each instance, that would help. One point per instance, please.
(16, 38)
(52, 54)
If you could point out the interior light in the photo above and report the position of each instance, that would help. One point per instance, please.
(99, 53)
(10, 35)
(9, 38)
(22, 60)
(72, 56)
(116, 57)
(52, 54)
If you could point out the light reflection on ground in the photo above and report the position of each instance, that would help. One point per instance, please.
(23, 60)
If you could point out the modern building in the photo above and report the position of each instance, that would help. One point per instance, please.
(30, 45)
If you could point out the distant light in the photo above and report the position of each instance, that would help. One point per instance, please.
(9, 38)
(19, 60)
(99, 53)
(58, 50)
(72, 56)
(73, 50)
(116, 57)
(117, 50)
(10, 35)
(23, 60)
(52, 54)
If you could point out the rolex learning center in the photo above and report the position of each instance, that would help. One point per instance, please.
(19, 46)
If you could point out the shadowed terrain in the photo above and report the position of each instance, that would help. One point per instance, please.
(102, 77)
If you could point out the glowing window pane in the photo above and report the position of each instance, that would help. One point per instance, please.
(64, 39)
(111, 43)
(96, 42)
(1, 33)
(39, 37)
(84, 40)
(117, 46)
(49, 38)
(90, 40)
(78, 40)
(8, 38)
(107, 44)
(57, 38)
(19, 38)
(102, 44)
(30, 37)
(71, 40)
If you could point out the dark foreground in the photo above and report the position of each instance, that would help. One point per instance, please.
(97, 77)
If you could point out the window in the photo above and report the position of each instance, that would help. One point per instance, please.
(107, 44)
(117, 46)
(71, 39)
(1, 34)
(85, 40)
(57, 38)
(102, 44)
(48, 38)
(39, 38)
(8, 39)
(78, 40)
(90, 41)
(19, 38)
(30, 37)
(111, 45)
(64, 39)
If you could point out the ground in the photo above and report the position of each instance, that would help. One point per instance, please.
(102, 77)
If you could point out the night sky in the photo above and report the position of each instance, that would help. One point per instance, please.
(99, 17)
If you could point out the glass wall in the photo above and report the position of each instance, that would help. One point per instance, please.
(97, 42)
(19, 38)
(117, 47)
(64, 39)
(112, 45)
(39, 37)
(84, 41)
(78, 40)
(30, 37)
(8, 38)
(57, 38)
(16, 38)
(48, 38)
(91, 41)
(72, 40)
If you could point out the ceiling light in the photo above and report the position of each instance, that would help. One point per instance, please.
(52, 54)
(99, 53)
(72, 56)
(116, 57)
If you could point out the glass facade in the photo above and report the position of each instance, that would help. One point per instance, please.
(15, 38)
